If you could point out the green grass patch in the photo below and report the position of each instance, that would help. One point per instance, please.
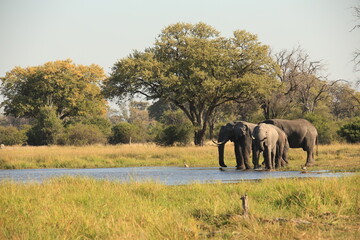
(84, 208)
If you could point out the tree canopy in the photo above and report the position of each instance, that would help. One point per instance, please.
(196, 69)
(73, 90)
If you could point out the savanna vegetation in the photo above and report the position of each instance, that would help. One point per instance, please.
(82, 208)
(194, 80)
(336, 157)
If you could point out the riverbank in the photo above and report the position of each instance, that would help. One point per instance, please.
(337, 157)
(82, 208)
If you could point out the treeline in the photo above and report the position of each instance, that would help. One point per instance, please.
(195, 81)
(149, 123)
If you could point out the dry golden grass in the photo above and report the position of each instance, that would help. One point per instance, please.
(337, 157)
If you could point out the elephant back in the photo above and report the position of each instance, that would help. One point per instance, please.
(300, 132)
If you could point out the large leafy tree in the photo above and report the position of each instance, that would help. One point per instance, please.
(72, 90)
(193, 67)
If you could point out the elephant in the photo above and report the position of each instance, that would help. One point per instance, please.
(282, 148)
(265, 140)
(241, 134)
(300, 133)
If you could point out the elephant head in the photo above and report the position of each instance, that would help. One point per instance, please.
(226, 133)
(260, 137)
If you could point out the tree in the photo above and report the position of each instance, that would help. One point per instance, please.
(301, 85)
(73, 90)
(158, 108)
(47, 129)
(193, 67)
(345, 101)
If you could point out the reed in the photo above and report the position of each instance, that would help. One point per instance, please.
(337, 157)
(84, 208)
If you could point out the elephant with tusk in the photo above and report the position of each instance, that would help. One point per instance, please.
(241, 134)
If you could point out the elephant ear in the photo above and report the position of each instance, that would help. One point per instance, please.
(248, 131)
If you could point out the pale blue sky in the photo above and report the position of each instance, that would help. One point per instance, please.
(33, 32)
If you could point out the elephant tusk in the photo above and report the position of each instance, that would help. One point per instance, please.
(218, 143)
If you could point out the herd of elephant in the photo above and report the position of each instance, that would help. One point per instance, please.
(272, 137)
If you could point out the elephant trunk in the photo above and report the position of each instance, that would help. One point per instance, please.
(221, 149)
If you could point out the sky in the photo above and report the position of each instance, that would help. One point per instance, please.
(33, 32)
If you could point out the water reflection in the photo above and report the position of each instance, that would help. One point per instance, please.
(165, 175)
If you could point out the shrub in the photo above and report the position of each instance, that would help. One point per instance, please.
(121, 133)
(351, 131)
(81, 134)
(175, 134)
(175, 129)
(12, 136)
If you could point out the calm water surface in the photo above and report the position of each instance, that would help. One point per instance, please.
(165, 175)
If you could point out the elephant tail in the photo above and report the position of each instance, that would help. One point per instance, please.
(317, 146)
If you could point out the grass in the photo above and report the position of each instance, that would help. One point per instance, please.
(337, 157)
(84, 208)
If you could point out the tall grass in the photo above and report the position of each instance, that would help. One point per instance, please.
(83, 208)
(333, 157)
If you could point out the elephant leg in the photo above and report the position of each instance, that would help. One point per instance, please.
(310, 158)
(239, 156)
(221, 155)
(246, 155)
(284, 160)
(273, 156)
(278, 156)
(267, 156)
(256, 156)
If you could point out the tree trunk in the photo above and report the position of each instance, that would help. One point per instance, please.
(199, 137)
(266, 109)
(211, 129)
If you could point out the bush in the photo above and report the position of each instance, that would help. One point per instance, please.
(12, 136)
(121, 133)
(82, 134)
(351, 131)
(175, 134)
(175, 128)
(102, 123)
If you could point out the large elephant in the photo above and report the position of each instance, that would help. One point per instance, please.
(241, 134)
(265, 140)
(300, 133)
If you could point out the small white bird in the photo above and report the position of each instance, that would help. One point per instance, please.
(185, 165)
(303, 169)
